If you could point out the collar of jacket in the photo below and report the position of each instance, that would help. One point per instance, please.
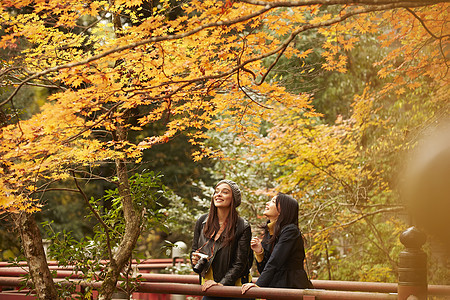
(240, 226)
(271, 227)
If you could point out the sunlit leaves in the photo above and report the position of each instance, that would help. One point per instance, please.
(420, 34)
(184, 73)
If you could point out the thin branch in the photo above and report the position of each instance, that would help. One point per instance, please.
(7, 70)
(93, 176)
(34, 84)
(425, 26)
(239, 81)
(319, 209)
(345, 184)
(433, 35)
(359, 206)
(363, 216)
(299, 3)
(54, 189)
(97, 216)
(376, 233)
(108, 113)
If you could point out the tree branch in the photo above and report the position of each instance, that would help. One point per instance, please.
(35, 84)
(108, 113)
(345, 184)
(363, 216)
(239, 81)
(425, 26)
(91, 175)
(378, 237)
(97, 216)
(440, 38)
(340, 2)
(54, 189)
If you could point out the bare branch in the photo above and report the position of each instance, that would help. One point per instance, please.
(55, 189)
(36, 84)
(363, 216)
(93, 176)
(239, 81)
(380, 243)
(7, 70)
(97, 216)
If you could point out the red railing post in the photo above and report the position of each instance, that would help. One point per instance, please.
(412, 266)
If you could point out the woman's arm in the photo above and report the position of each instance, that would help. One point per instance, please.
(261, 263)
(242, 254)
(197, 232)
(279, 256)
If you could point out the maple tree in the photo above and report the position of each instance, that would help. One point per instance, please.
(116, 68)
(346, 173)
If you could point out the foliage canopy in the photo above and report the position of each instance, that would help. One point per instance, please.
(115, 68)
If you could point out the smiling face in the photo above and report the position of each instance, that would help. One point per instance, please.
(271, 211)
(223, 196)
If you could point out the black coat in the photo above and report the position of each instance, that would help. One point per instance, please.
(230, 262)
(282, 266)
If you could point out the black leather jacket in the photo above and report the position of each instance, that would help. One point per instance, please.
(229, 262)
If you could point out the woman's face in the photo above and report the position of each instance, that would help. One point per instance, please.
(271, 211)
(223, 196)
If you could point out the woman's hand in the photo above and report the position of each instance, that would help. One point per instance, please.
(208, 284)
(255, 243)
(195, 257)
(247, 286)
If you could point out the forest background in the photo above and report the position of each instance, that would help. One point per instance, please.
(118, 117)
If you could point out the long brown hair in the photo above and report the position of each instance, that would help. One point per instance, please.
(212, 223)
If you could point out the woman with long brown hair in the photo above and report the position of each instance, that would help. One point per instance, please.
(221, 252)
(280, 255)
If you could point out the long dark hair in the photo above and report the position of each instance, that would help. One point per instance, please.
(288, 208)
(212, 223)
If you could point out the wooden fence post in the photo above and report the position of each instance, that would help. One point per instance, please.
(412, 266)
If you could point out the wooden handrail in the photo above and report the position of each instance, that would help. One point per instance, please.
(226, 291)
(336, 285)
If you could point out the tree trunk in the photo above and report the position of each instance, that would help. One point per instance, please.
(132, 218)
(132, 230)
(34, 253)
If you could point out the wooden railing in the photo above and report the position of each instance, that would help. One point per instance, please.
(412, 280)
(189, 285)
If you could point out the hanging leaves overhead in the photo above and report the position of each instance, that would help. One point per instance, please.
(181, 72)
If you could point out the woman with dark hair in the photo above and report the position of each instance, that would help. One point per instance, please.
(280, 255)
(221, 252)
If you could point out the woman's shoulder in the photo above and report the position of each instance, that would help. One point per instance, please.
(241, 219)
(242, 224)
(290, 229)
(202, 218)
